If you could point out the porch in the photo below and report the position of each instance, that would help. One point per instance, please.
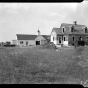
(62, 40)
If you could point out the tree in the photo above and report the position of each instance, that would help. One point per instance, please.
(8, 42)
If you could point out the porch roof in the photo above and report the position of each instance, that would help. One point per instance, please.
(78, 33)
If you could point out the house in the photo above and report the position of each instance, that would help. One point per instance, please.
(69, 34)
(27, 39)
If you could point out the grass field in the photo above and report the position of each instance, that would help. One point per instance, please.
(33, 65)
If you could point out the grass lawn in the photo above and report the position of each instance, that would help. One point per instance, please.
(34, 65)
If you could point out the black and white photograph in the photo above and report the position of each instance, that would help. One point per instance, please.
(44, 43)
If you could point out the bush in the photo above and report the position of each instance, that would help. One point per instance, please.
(49, 45)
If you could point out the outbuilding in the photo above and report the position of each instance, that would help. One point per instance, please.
(31, 40)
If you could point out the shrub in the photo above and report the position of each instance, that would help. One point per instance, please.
(49, 45)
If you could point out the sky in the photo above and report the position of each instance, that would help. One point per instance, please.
(26, 18)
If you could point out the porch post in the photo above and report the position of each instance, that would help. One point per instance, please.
(57, 39)
(62, 41)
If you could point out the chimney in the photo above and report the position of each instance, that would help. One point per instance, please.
(38, 32)
(75, 22)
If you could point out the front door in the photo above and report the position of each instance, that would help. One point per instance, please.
(59, 40)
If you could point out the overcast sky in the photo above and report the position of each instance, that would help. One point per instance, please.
(25, 18)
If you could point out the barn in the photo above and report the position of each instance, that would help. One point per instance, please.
(31, 40)
(25, 39)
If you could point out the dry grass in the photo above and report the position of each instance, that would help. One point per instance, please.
(33, 65)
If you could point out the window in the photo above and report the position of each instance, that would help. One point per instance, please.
(26, 42)
(80, 38)
(72, 44)
(73, 38)
(72, 28)
(53, 38)
(64, 38)
(21, 42)
(86, 30)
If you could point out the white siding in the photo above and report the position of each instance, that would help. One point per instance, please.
(65, 43)
(39, 38)
(53, 34)
(30, 42)
(51, 38)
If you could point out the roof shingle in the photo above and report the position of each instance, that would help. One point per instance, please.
(30, 37)
(57, 30)
(26, 37)
(77, 28)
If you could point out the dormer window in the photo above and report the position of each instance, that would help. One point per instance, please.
(63, 30)
(72, 29)
(85, 29)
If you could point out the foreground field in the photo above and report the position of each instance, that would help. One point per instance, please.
(33, 65)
